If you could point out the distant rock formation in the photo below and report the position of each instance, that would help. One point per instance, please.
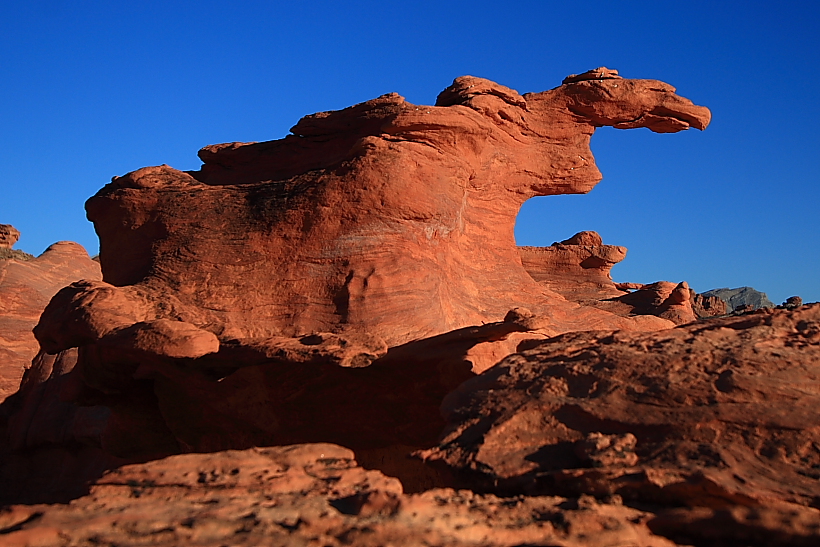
(576, 268)
(709, 306)
(579, 270)
(26, 286)
(791, 303)
(742, 297)
(9, 235)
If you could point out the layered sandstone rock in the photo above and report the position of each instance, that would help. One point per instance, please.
(720, 414)
(26, 286)
(576, 268)
(385, 218)
(332, 286)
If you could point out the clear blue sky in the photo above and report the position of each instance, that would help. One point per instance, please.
(92, 89)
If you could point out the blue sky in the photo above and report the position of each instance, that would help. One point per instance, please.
(93, 89)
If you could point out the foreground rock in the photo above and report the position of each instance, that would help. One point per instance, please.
(26, 286)
(716, 414)
(306, 495)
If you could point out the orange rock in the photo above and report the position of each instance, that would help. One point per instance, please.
(9, 235)
(384, 218)
(25, 289)
(577, 268)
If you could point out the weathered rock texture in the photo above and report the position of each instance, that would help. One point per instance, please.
(720, 414)
(307, 495)
(705, 305)
(25, 289)
(385, 218)
(577, 268)
(9, 235)
(332, 286)
(301, 261)
(745, 297)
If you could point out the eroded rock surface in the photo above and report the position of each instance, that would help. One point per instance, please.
(576, 268)
(25, 289)
(307, 495)
(716, 414)
(385, 218)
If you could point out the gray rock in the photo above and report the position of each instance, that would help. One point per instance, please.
(742, 296)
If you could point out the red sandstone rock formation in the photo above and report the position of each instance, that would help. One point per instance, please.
(719, 414)
(576, 268)
(385, 218)
(309, 290)
(25, 289)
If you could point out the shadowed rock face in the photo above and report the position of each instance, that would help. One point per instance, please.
(386, 217)
(714, 414)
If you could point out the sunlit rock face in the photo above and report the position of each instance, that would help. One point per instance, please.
(387, 217)
(26, 286)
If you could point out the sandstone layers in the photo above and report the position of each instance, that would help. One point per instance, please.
(385, 218)
(26, 286)
(337, 285)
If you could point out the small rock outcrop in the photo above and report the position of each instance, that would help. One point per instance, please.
(791, 303)
(9, 235)
(576, 268)
(579, 270)
(709, 306)
(745, 297)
